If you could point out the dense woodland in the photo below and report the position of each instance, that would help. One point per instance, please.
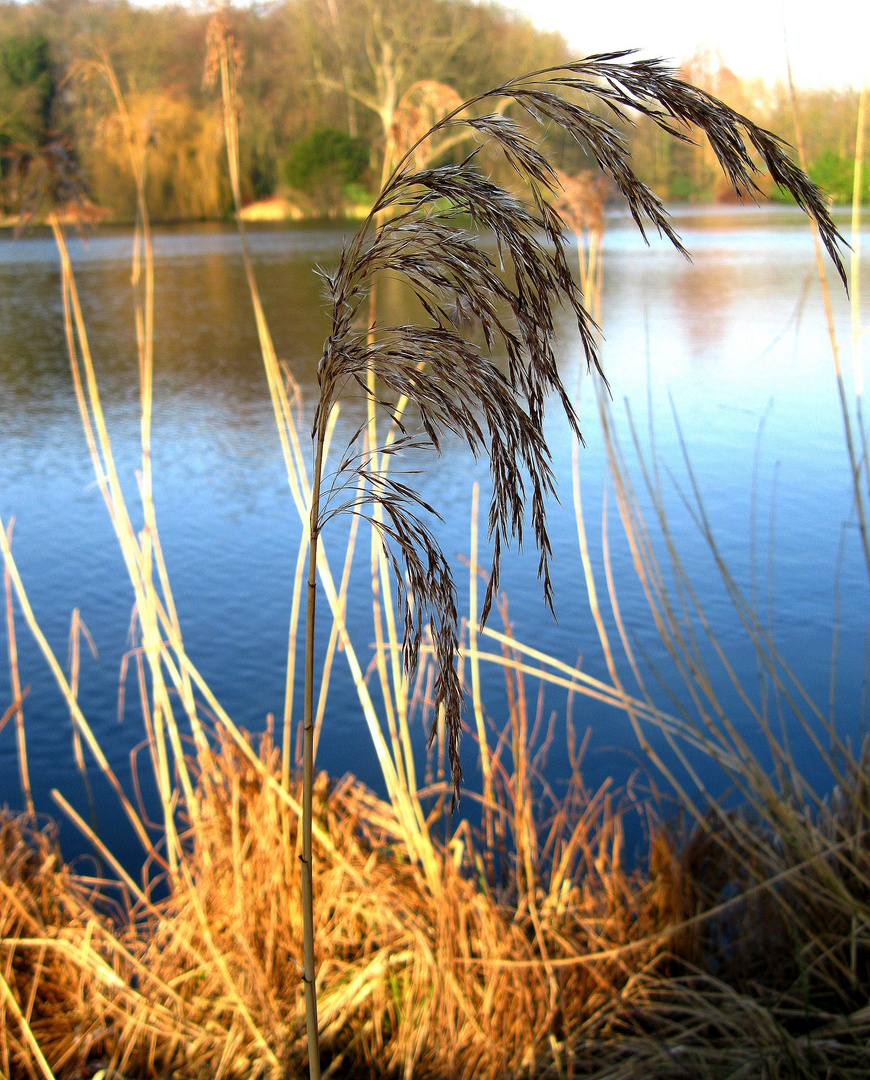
(322, 88)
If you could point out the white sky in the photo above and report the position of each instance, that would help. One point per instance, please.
(829, 46)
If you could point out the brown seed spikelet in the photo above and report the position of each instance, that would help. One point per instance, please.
(414, 233)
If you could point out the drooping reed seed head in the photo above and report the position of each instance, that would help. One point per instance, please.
(416, 233)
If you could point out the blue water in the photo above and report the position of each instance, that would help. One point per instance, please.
(734, 344)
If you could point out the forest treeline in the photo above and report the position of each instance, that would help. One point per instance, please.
(325, 87)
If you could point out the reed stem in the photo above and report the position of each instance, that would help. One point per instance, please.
(308, 771)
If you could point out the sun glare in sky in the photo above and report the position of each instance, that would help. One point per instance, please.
(828, 48)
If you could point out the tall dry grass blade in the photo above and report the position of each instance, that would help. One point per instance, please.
(78, 716)
(137, 141)
(137, 559)
(614, 601)
(290, 670)
(77, 628)
(334, 633)
(229, 982)
(90, 832)
(855, 463)
(17, 696)
(30, 1039)
(474, 664)
(310, 970)
(223, 60)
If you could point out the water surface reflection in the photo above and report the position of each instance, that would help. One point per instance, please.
(719, 336)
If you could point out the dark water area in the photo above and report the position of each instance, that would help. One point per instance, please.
(734, 343)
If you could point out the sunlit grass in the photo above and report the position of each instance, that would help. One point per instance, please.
(737, 943)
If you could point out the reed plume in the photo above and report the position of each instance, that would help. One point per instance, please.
(415, 233)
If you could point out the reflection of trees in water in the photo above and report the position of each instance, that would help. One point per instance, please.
(206, 346)
(32, 362)
(704, 294)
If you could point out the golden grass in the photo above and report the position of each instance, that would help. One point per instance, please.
(412, 979)
(593, 970)
(738, 944)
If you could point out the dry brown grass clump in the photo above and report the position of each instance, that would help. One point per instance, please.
(48, 982)
(772, 917)
(415, 977)
(803, 929)
(604, 973)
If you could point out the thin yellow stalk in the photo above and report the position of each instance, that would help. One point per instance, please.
(855, 239)
(405, 754)
(94, 838)
(334, 632)
(173, 626)
(854, 463)
(377, 464)
(474, 664)
(137, 147)
(395, 699)
(221, 964)
(137, 559)
(76, 712)
(405, 801)
(381, 657)
(400, 681)
(26, 1030)
(291, 449)
(614, 601)
(145, 705)
(358, 676)
(231, 120)
(290, 675)
(76, 628)
(592, 598)
(16, 685)
(591, 591)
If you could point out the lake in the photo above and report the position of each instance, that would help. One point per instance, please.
(733, 343)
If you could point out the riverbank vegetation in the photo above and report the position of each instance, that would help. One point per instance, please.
(308, 68)
(737, 942)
